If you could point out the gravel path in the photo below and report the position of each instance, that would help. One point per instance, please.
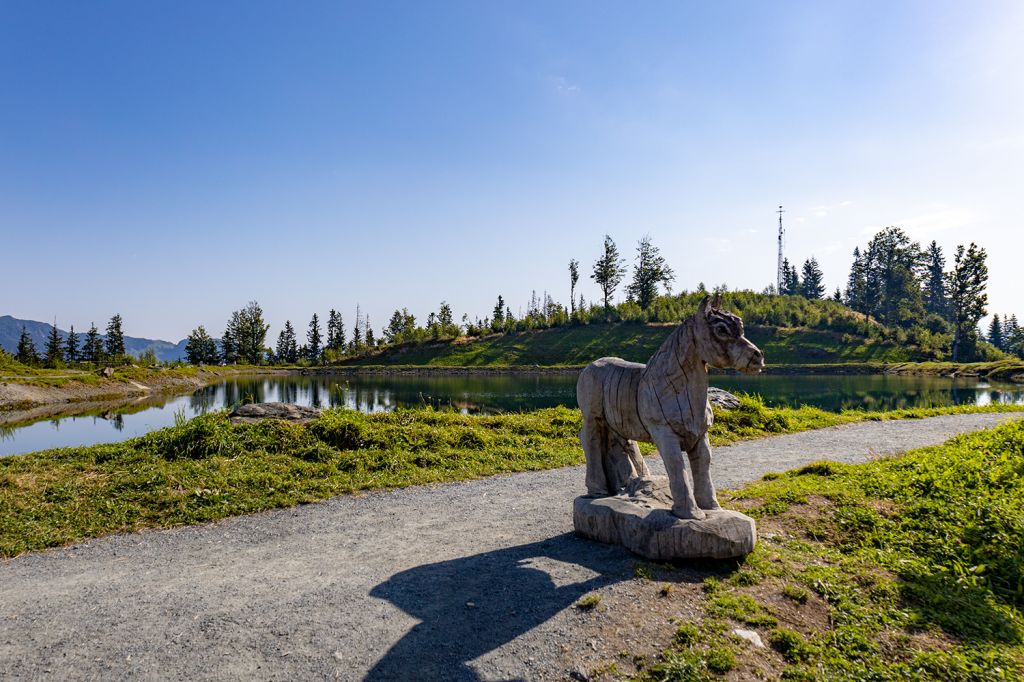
(457, 581)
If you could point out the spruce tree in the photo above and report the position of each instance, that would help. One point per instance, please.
(650, 271)
(790, 279)
(92, 351)
(995, 333)
(498, 315)
(71, 348)
(370, 340)
(855, 283)
(115, 338)
(967, 282)
(934, 292)
(26, 353)
(609, 270)
(811, 285)
(229, 339)
(54, 347)
(313, 339)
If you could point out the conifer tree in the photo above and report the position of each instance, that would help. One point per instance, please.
(71, 348)
(790, 279)
(855, 283)
(200, 348)
(357, 332)
(811, 285)
(934, 293)
(498, 315)
(92, 351)
(26, 353)
(650, 271)
(54, 347)
(995, 333)
(115, 338)
(313, 339)
(370, 341)
(229, 339)
(967, 282)
(609, 270)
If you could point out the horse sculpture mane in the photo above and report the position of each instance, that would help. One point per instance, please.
(664, 402)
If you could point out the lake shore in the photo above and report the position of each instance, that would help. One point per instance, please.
(22, 397)
(48, 392)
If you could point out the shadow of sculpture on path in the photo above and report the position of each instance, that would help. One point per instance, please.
(470, 606)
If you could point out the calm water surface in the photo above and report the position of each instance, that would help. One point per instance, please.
(482, 394)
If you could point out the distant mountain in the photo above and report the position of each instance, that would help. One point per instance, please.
(10, 332)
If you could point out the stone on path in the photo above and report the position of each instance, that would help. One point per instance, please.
(640, 519)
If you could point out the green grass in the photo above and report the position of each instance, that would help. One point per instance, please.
(907, 568)
(207, 469)
(579, 345)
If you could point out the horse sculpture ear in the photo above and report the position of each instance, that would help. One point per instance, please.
(705, 306)
(716, 302)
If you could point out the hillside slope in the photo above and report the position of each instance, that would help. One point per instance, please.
(578, 345)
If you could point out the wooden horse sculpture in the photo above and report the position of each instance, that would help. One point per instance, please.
(664, 402)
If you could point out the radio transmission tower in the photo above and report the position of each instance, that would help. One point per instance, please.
(779, 273)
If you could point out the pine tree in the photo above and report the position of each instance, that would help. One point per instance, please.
(934, 292)
(811, 286)
(574, 277)
(26, 353)
(609, 270)
(200, 348)
(92, 351)
(650, 271)
(966, 285)
(313, 339)
(115, 338)
(370, 341)
(244, 338)
(71, 348)
(54, 347)
(837, 295)
(995, 333)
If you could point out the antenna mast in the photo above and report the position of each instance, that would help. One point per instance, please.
(779, 273)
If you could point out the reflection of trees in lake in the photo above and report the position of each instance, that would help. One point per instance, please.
(314, 394)
(244, 391)
(203, 400)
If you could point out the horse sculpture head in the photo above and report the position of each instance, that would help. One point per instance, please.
(720, 340)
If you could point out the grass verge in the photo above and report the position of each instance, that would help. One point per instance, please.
(907, 568)
(207, 469)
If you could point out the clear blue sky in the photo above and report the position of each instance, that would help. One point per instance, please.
(172, 160)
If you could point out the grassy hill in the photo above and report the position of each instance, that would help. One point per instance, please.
(578, 345)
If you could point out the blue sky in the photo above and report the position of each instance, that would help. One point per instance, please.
(171, 161)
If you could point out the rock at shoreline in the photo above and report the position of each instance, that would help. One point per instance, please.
(640, 519)
(722, 399)
(286, 411)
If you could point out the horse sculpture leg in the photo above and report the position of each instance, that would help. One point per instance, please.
(703, 488)
(594, 439)
(680, 479)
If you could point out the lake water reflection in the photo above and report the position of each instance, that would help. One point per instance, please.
(489, 393)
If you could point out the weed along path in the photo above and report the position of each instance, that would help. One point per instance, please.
(474, 580)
